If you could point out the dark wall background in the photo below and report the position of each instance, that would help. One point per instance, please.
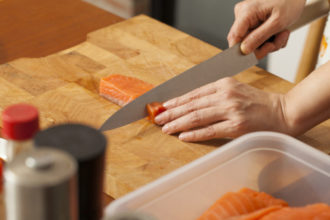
(208, 20)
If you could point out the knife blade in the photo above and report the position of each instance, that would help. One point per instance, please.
(226, 63)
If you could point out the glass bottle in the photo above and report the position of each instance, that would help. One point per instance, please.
(20, 124)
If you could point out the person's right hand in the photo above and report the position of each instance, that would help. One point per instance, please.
(256, 21)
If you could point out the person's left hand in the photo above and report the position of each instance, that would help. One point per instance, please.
(225, 108)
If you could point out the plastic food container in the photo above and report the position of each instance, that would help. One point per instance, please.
(265, 161)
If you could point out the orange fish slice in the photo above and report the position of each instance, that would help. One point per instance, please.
(319, 211)
(242, 202)
(122, 89)
(154, 109)
(258, 214)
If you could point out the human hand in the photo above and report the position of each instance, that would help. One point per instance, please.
(225, 108)
(256, 21)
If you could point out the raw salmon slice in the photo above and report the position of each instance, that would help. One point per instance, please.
(154, 109)
(318, 211)
(122, 89)
(257, 215)
(242, 202)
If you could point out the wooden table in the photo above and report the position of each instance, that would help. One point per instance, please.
(35, 28)
(64, 88)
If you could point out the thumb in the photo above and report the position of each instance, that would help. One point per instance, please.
(261, 34)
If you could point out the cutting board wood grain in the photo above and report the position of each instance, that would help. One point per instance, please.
(64, 86)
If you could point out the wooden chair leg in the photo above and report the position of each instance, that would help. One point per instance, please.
(310, 53)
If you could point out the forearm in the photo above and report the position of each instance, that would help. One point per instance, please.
(308, 103)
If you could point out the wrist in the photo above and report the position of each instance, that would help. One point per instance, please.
(283, 123)
(292, 121)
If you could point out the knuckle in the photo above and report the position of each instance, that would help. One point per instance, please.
(169, 115)
(237, 8)
(277, 21)
(240, 7)
(196, 118)
(194, 94)
(235, 106)
(188, 107)
(227, 80)
(240, 124)
(228, 94)
(191, 106)
(278, 46)
(176, 101)
(210, 132)
(252, 40)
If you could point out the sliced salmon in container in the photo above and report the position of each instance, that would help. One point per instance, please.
(242, 202)
(319, 211)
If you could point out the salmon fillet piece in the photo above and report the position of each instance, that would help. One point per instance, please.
(154, 109)
(258, 214)
(239, 203)
(318, 211)
(122, 89)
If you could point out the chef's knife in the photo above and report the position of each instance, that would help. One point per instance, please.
(227, 63)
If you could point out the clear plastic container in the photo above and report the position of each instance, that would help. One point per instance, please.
(265, 161)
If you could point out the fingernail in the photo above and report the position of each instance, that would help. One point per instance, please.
(167, 104)
(166, 128)
(244, 49)
(158, 119)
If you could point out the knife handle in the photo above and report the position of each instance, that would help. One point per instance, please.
(312, 11)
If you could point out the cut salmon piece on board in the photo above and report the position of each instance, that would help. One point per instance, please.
(318, 211)
(239, 203)
(154, 109)
(122, 89)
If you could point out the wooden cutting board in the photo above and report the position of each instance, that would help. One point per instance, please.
(64, 86)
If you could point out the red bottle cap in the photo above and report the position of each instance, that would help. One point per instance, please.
(20, 122)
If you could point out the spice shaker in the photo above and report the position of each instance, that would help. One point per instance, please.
(87, 145)
(20, 124)
(41, 184)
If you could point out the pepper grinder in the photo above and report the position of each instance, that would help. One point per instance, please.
(87, 145)
(41, 184)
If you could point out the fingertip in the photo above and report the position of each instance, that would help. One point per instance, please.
(184, 136)
(244, 48)
(170, 103)
(166, 129)
(167, 104)
(231, 41)
(159, 120)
